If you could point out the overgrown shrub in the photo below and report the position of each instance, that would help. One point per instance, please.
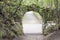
(50, 29)
(10, 19)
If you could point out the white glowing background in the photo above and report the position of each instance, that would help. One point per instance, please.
(31, 24)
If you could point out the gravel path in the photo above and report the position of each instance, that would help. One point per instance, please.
(30, 37)
(55, 36)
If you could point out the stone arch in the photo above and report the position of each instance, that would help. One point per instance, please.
(40, 21)
(32, 8)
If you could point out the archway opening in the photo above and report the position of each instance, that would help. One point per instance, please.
(32, 23)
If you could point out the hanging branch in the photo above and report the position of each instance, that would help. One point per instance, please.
(17, 7)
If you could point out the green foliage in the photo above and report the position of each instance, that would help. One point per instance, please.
(8, 18)
(1, 34)
(39, 17)
(50, 29)
(12, 12)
